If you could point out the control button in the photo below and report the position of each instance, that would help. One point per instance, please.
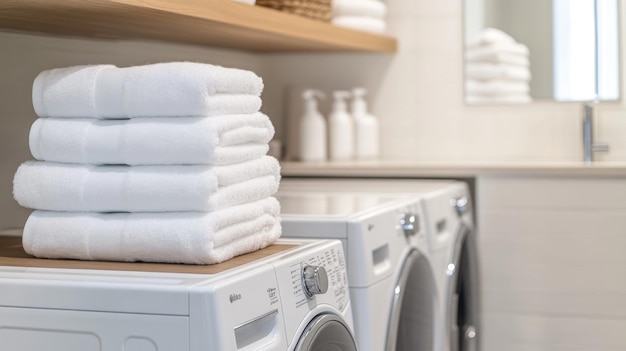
(315, 280)
(460, 204)
(409, 224)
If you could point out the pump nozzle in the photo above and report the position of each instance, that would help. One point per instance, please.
(340, 100)
(359, 106)
(309, 96)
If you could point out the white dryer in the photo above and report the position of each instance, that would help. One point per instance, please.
(453, 247)
(392, 284)
(291, 296)
(452, 250)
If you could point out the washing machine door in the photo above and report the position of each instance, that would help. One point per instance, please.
(414, 308)
(326, 332)
(463, 294)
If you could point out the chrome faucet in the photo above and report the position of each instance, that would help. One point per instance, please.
(589, 147)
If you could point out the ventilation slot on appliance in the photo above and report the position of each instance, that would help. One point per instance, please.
(253, 332)
(441, 226)
(380, 258)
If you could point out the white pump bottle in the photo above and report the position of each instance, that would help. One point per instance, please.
(367, 131)
(312, 129)
(341, 128)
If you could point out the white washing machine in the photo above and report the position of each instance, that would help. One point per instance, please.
(452, 250)
(290, 296)
(392, 283)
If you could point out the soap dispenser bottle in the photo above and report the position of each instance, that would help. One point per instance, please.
(341, 128)
(312, 129)
(367, 130)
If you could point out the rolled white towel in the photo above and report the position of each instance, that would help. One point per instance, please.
(368, 8)
(363, 23)
(485, 71)
(85, 188)
(173, 237)
(157, 90)
(516, 54)
(152, 140)
(496, 87)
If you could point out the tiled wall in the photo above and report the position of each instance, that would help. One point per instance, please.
(552, 262)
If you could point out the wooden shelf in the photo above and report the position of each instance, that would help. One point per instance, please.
(217, 23)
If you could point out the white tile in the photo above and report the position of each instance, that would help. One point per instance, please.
(552, 333)
(552, 277)
(424, 7)
(575, 304)
(552, 192)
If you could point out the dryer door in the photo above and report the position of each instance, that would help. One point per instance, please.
(414, 308)
(326, 332)
(463, 293)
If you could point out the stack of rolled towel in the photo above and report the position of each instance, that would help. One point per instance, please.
(365, 15)
(497, 69)
(156, 163)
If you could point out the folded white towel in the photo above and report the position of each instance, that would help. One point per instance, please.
(516, 54)
(496, 87)
(506, 98)
(484, 71)
(175, 237)
(158, 90)
(368, 8)
(86, 188)
(363, 23)
(489, 36)
(152, 140)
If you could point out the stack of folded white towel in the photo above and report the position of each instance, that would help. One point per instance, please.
(365, 15)
(497, 69)
(157, 163)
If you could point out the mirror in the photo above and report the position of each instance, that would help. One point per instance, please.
(518, 51)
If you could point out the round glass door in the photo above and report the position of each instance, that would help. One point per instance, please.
(463, 294)
(414, 309)
(327, 332)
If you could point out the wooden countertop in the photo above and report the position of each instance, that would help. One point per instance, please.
(12, 254)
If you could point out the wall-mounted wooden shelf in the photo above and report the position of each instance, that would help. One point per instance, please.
(217, 23)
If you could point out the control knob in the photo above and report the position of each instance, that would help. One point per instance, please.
(409, 223)
(460, 204)
(315, 280)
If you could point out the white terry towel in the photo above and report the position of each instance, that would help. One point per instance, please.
(368, 8)
(507, 98)
(157, 90)
(363, 23)
(484, 71)
(84, 188)
(516, 54)
(152, 140)
(496, 87)
(173, 237)
(490, 36)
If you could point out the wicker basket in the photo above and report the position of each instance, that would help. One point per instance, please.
(319, 10)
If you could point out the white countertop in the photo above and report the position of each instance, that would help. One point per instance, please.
(449, 169)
